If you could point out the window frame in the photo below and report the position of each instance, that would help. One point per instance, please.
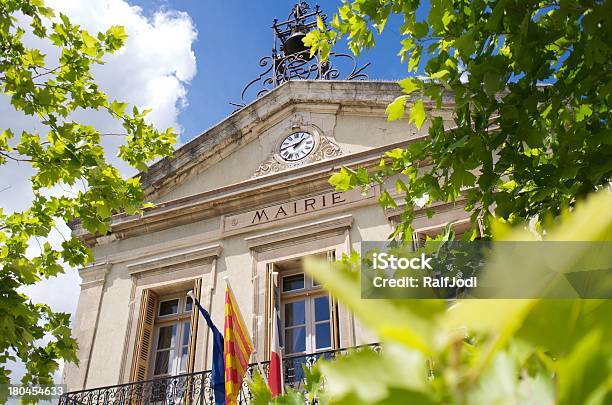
(292, 273)
(308, 294)
(168, 299)
(179, 319)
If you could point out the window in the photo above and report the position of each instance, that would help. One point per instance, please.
(293, 283)
(184, 347)
(166, 342)
(169, 307)
(171, 336)
(306, 313)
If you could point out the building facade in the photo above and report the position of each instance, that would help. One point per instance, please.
(248, 198)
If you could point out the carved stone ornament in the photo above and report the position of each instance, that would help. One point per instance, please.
(324, 148)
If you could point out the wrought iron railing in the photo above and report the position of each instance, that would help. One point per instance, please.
(293, 371)
(182, 389)
(194, 388)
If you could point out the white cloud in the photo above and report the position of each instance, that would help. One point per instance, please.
(153, 71)
(157, 61)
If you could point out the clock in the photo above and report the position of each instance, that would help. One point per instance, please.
(297, 146)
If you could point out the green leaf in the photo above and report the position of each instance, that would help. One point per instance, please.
(118, 32)
(583, 372)
(396, 153)
(89, 44)
(313, 381)
(447, 18)
(498, 383)
(465, 44)
(409, 85)
(496, 16)
(420, 29)
(321, 24)
(386, 201)
(117, 108)
(259, 389)
(33, 57)
(367, 377)
(583, 112)
(395, 110)
(417, 114)
(461, 178)
(342, 180)
(440, 74)
(115, 37)
(415, 59)
(491, 83)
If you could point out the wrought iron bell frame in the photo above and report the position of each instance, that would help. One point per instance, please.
(282, 66)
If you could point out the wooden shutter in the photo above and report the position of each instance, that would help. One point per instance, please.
(193, 326)
(335, 325)
(144, 336)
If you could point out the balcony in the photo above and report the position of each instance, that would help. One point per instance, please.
(193, 388)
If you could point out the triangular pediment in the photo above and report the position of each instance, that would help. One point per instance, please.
(340, 118)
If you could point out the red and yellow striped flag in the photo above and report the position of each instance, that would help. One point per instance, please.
(238, 348)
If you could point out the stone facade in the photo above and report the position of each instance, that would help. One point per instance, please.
(227, 206)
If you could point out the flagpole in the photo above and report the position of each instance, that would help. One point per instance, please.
(259, 365)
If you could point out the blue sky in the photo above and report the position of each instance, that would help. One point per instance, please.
(232, 37)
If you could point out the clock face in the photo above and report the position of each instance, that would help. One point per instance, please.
(297, 146)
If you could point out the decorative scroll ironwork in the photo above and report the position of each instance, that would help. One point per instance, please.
(195, 388)
(291, 60)
(293, 367)
(192, 388)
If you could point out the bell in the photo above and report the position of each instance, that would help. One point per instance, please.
(294, 44)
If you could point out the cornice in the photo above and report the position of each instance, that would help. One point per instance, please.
(301, 231)
(175, 258)
(243, 196)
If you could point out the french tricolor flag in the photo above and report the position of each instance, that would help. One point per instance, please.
(275, 377)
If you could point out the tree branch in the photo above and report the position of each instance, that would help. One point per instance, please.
(6, 155)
